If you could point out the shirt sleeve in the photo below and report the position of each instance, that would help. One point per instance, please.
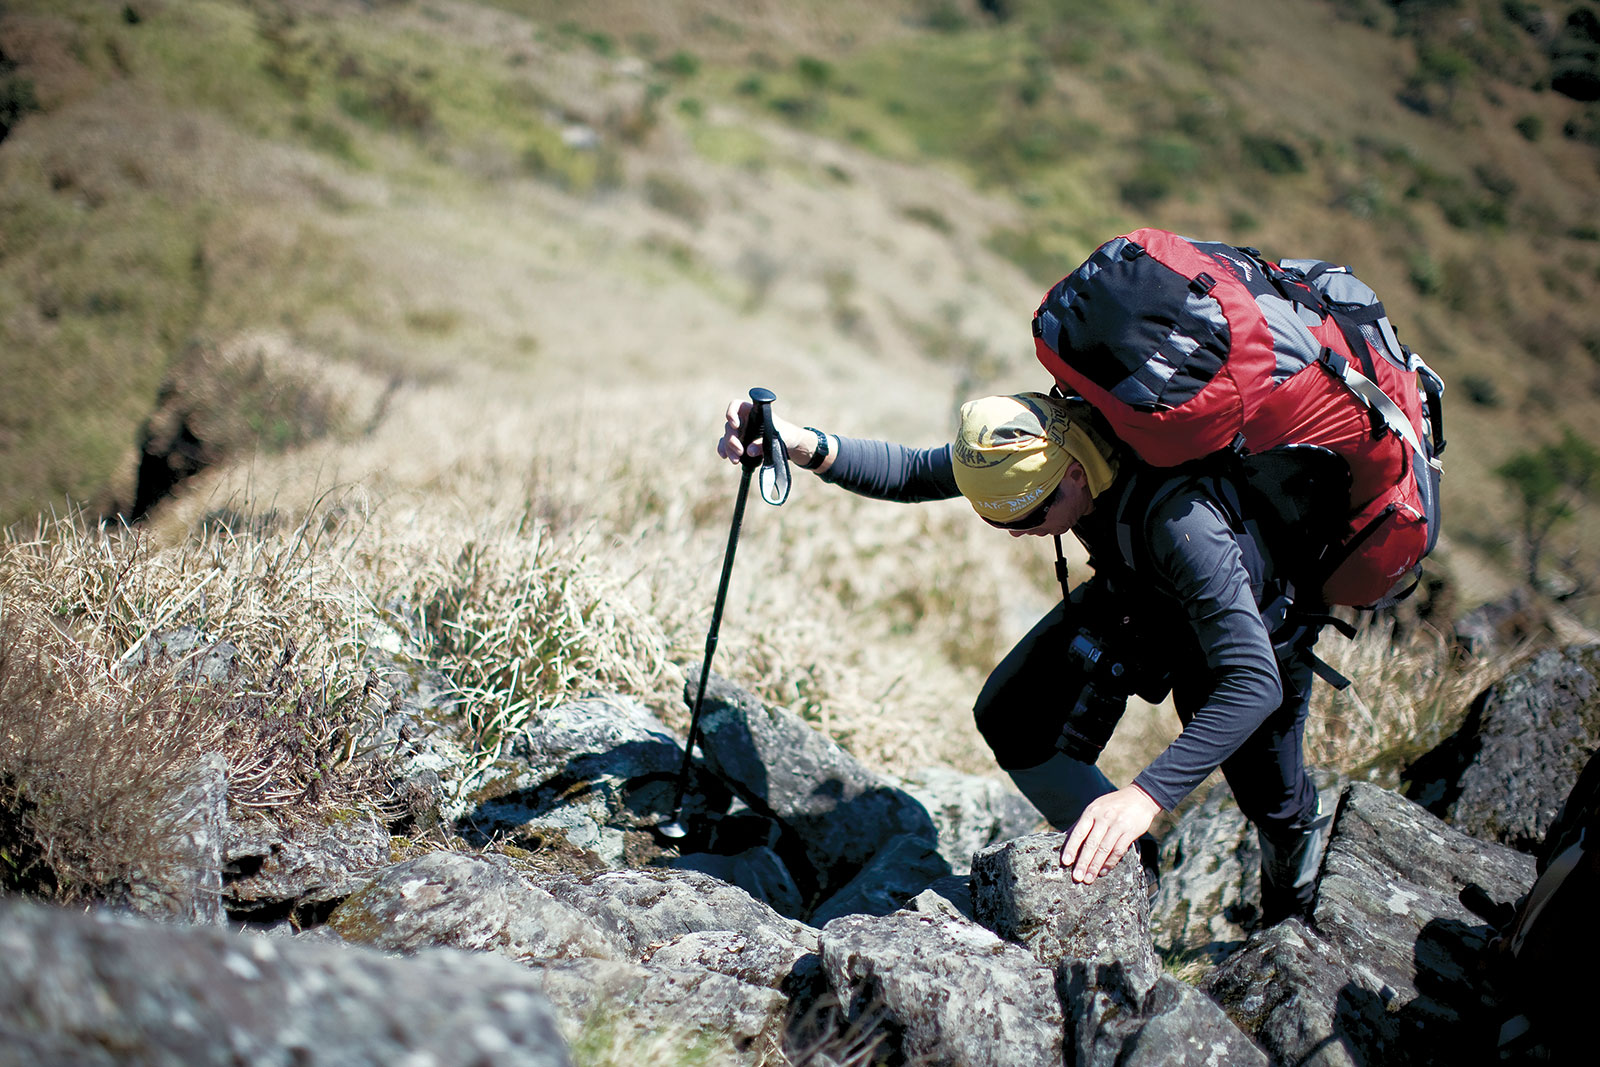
(1197, 561)
(887, 471)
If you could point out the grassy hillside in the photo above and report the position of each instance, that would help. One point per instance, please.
(486, 273)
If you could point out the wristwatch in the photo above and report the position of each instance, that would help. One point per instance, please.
(819, 453)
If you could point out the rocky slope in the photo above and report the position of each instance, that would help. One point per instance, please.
(815, 901)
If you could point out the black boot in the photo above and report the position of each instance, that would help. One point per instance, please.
(1289, 870)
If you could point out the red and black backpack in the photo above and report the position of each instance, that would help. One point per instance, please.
(1190, 349)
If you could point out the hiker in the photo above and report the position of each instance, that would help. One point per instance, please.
(1038, 465)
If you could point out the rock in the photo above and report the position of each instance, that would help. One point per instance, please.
(93, 991)
(182, 880)
(1111, 1024)
(971, 813)
(200, 659)
(953, 992)
(304, 871)
(903, 868)
(758, 871)
(427, 762)
(1390, 897)
(591, 771)
(1504, 774)
(841, 813)
(792, 967)
(1389, 971)
(947, 896)
(651, 906)
(1210, 881)
(1499, 626)
(656, 999)
(1021, 892)
(468, 902)
(1301, 999)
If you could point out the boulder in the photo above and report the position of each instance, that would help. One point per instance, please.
(1021, 892)
(949, 895)
(950, 991)
(1389, 970)
(651, 1000)
(651, 906)
(970, 813)
(417, 734)
(96, 991)
(272, 873)
(903, 868)
(1497, 627)
(1391, 897)
(1301, 999)
(596, 773)
(1110, 1023)
(840, 812)
(182, 880)
(198, 657)
(792, 967)
(1504, 774)
(1210, 881)
(468, 902)
(758, 871)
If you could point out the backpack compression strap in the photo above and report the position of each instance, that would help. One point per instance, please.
(1372, 395)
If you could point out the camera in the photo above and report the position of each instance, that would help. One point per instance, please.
(1102, 698)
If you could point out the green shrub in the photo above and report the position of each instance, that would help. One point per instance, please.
(680, 65)
(815, 74)
(669, 193)
(17, 98)
(1272, 155)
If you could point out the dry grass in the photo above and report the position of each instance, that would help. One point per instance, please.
(103, 729)
(92, 765)
(1409, 691)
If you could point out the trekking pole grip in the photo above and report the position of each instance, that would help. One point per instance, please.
(760, 413)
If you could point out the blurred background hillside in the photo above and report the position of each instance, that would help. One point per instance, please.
(476, 279)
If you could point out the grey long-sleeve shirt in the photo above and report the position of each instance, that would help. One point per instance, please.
(1206, 585)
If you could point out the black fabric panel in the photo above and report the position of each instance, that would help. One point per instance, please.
(1122, 314)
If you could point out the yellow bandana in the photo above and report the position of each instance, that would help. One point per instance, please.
(1012, 451)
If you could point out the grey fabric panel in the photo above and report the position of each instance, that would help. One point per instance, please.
(1294, 346)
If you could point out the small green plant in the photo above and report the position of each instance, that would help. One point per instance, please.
(671, 194)
(1272, 155)
(680, 65)
(521, 625)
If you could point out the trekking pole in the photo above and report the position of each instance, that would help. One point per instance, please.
(774, 491)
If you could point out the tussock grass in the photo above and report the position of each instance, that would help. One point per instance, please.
(521, 622)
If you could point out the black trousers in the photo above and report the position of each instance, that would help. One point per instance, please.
(1027, 697)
